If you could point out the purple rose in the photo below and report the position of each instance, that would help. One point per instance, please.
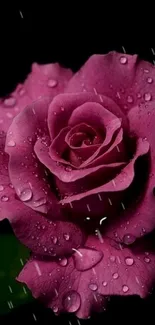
(77, 180)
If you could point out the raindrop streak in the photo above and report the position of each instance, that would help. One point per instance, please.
(129, 239)
(72, 301)
(37, 268)
(93, 286)
(11, 143)
(123, 60)
(24, 289)
(104, 218)
(99, 196)
(54, 239)
(26, 195)
(34, 316)
(10, 289)
(129, 261)
(4, 198)
(115, 276)
(147, 97)
(125, 288)
(52, 83)
(10, 101)
(98, 233)
(21, 261)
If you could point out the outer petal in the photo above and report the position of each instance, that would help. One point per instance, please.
(123, 78)
(27, 175)
(8, 199)
(63, 287)
(43, 236)
(47, 80)
(139, 218)
(11, 106)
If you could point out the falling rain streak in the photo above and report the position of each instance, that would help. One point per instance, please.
(38, 269)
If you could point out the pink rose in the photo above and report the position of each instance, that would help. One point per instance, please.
(77, 180)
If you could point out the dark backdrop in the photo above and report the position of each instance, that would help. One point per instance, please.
(70, 36)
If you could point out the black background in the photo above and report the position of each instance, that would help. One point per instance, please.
(70, 35)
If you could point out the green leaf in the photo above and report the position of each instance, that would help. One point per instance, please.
(13, 256)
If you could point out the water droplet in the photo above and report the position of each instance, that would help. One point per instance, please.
(149, 80)
(4, 198)
(123, 60)
(71, 301)
(115, 276)
(139, 95)
(66, 236)
(125, 288)
(52, 83)
(1, 188)
(22, 92)
(129, 239)
(39, 202)
(63, 261)
(55, 113)
(29, 139)
(104, 283)
(45, 249)
(146, 70)
(32, 237)
(112, 258)
(11, 143)
(26, 195)
(62, 109)
(130, 99)
(55, 309)
(93, 286)
(129, 261)
(10, 101)
(147, 259)
(68, 169)
(147, 97)
(9, 115)
(54, 239)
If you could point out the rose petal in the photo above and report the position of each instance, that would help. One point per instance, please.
(139, 218)
(65, 174)
(121, 181)
(8, 200)
(45, 237)
(62, 287)
(106, 199)
(47, 80)
(121, 77)
(64, 105)
(26, 174)
(12, 105)
(61, 145)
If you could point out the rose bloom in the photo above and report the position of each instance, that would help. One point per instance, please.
(77, 160)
